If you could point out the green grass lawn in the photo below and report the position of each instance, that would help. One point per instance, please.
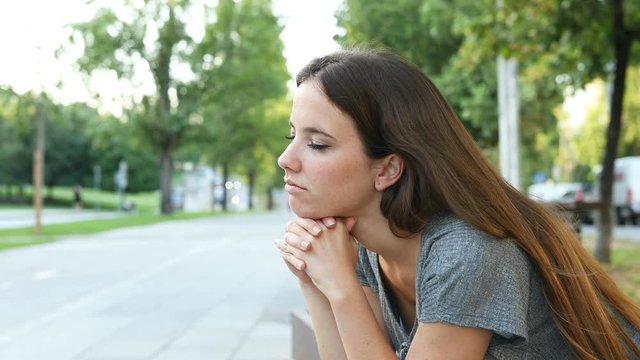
(146, 212)
(60, 196)
(625, 269)
(625, 265)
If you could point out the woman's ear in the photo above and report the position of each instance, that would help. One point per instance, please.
(389, 171)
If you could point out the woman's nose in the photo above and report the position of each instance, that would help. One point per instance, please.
(287, 159)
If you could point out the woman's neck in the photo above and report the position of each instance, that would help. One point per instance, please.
(373, 232)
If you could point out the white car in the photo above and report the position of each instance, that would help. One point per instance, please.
(554, 192)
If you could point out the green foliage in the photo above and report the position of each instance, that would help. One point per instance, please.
(17, 114)
(152, 34)
(432, 35)
(578, 50)
(630, 137)
(243, 75)
(111, 143)
(76, 139)
(236, 70)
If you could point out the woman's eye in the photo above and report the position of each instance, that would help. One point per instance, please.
(290, 137)
(315, 146)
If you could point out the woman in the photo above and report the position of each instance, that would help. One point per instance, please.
(451, 261)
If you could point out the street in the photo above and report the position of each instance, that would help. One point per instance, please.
(211, 288)
(25, 217)
(620, 232)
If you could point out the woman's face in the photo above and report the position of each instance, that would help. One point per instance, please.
(327, 172)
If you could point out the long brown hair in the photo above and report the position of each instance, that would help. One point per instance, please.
(397, 109)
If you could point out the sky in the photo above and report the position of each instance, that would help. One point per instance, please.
(31, 31)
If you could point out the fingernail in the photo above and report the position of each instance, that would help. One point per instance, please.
(300, 265)
(316, 230)
(331, 221)
(305, 245)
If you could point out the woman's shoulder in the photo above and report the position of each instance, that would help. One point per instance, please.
(452, 239)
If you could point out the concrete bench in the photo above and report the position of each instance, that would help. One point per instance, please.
(303, 339)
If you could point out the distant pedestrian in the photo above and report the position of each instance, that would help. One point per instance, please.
(77, 197)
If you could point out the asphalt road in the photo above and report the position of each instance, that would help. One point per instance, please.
(624, 232)
(25, 217)
(211, 288)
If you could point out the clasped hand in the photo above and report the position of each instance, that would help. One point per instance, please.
(320, 252)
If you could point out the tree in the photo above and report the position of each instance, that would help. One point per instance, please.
(153, 34)
(242, 71)
(277, 115)
(580, 51)
(110, 143)
(17, 116)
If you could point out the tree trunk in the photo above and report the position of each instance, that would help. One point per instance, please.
(252, 183)
(166, 173)
(270, 204)
(225, 178)
(622, 43)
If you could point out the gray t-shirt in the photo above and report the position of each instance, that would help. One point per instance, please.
(469, 278)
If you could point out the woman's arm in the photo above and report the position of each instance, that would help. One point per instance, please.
(324, 325)
(449, 342)
(329, 258)
(364, 339)
(359, 327)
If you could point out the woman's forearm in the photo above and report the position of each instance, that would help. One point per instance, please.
(324, 325)
(359, 330)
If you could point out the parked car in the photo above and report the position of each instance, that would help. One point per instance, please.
(569, 196)
(575, 198)
(553, 192)
(625, 198)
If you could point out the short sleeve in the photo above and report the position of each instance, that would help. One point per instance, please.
(469, 278)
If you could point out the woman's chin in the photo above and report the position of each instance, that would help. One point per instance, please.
(308, 212)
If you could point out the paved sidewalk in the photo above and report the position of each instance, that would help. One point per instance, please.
(211, 288)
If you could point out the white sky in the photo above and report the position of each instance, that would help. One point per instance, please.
(26, 25)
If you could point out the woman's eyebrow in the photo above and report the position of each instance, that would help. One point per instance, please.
(312, 130)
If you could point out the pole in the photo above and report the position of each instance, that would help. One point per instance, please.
(38, 170)
(37, 190)
(38, 153)
(509, 120)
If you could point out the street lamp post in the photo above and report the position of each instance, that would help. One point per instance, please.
(509, 120)
(38, 170)
(38, 158)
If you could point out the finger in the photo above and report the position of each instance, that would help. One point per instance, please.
(293, 261)
(301, 242)
(329, 222)
(305, 238)
(309, 225)
(285, 247)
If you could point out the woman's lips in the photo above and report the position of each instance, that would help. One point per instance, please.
(291, 187)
